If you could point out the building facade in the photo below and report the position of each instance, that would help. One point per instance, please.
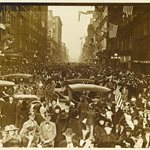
(132, 41)
(25, 30)
(56, 49)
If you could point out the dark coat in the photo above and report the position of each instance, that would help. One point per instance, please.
(107, 140)
(98, 132)
(75, 125)
(61, 126)
(10, 113)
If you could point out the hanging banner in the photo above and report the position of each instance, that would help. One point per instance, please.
(113, 30)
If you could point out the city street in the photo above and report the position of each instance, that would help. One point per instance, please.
(77, 79)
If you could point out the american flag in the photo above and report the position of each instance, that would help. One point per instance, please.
(118, 98)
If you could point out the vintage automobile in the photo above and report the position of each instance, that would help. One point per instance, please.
(75, 81)
(28, 98)
(4, 83)
(74, 91)
(6, 88)
(18, 77)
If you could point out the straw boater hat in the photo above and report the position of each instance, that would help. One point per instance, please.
(10, 128)
(68, 132)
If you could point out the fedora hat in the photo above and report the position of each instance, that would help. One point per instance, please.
(10, 128)
(68, 132)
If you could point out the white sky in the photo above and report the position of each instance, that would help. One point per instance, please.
(72, 30)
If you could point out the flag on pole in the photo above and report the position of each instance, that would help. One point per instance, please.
(127, 10)
(112, 30)
(85, 13)
(118, 98)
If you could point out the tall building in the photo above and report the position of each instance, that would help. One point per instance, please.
(25, 30)
(54, 34)
(57, 29)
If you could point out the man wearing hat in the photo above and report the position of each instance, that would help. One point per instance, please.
(11, 137)
(126, 140)
(83, 107)
(10, 111)
(75, 125)
(69, 142)
(108, 138)
(99, 131)
(47, 132)
(30, 122)
(61, 126)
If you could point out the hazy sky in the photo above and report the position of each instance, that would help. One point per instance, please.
(72, 30)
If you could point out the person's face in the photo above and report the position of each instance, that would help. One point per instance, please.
(140, 113)
(57, 111)
(20, 101)
(128, 133)
(108, 130)
(53, 103)
(11, 99)
(135, 122)
(47, 118)
(101, 122)
(11, 133)
(140, 95)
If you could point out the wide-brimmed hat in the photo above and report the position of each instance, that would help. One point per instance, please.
(68, 132)
(10, 128)
(63, 115)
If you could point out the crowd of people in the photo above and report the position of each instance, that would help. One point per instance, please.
(96, 120)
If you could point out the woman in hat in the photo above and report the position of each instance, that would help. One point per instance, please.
(68, 142)
(75, 124)
(99, 131)
(61, 126)
(125, 139)
(55, 114)
(11, 138)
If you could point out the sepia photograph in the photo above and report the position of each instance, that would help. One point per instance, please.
(74, 75)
